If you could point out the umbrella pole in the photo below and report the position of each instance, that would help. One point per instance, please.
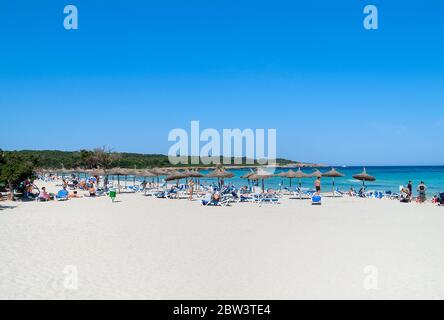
(263, 188)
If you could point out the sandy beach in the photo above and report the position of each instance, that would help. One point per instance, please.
(147, 248)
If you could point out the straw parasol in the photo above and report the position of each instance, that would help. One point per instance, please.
(247, 175)
(219, 173)
(363, 176)
(117, 172)
(316, 174)
(290, 174)
(193, 174)
(299, 174)
(146, 173)
(333, 174)
(261, 175)
(159, 172)
(175, 176)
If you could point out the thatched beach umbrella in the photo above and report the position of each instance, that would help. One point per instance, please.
(220, 174)
(247, 175)
(261, 175)
(363, 176)
(290, 174)
(159, 172)
(176, 176)
(299, 174)
(146, 173)
(193, 174)
(333, 174)
(316, 173)
(132, 172)
(116, 172)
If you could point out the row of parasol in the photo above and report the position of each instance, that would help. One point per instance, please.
(299, 174)
(219, 173)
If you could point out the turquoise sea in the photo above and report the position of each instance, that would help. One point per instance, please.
(387, 178)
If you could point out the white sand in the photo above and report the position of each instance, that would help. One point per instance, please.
(150, 248)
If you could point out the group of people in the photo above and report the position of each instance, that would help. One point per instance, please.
(64, 194)
(61, 194)
(407, 192)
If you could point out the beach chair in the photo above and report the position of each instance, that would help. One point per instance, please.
(62, 195)
(271, 200)
(338, 193)
(379, 194)
(301, 193)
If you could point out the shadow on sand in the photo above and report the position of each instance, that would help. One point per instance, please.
(3, 207)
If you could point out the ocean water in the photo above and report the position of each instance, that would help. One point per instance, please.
(387, 178)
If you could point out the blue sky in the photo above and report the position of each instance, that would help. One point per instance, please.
(134, 70)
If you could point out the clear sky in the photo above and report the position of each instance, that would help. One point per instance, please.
(134, 70)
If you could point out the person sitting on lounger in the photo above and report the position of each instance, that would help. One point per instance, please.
(44, 196)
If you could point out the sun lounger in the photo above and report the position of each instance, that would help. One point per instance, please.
(338, 193)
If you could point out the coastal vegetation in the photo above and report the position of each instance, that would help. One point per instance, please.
(104, 158)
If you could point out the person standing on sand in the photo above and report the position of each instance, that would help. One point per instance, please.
(318, 185)
(422, 192)
(410, 187)
(191, 187)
